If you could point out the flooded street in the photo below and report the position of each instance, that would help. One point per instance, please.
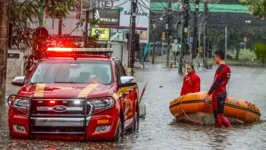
(158, 129)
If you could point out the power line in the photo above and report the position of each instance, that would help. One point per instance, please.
(146, 7)
(210, 7)
(88, 5)
(141, 7)
(157, 19)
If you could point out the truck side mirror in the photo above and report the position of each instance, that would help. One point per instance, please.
(18, 80)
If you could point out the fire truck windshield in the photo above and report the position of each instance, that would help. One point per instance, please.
(72, 72)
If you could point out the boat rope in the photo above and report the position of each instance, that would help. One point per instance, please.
(196, 122)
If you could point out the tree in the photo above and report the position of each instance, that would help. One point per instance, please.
(260, 51)
(257, 7)
(3, 44)
(25, 14)
(236, 36)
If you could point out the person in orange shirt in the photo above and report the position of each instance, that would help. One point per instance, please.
(191, 82)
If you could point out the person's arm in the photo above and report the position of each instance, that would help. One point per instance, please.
(216, 82)
(196, 84)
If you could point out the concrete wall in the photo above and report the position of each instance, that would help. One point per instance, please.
(120, 51)
(15, 67)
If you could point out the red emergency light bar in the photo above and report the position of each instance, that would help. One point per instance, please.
(60, 49)
(75, 52)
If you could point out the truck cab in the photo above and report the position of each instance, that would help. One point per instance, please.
(75, 93)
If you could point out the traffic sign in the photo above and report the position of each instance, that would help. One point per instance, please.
(191, 40)
(163, 36)
(245, 39)
(201, 49)
(105, 4)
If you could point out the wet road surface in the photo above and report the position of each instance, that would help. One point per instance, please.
(159, 131)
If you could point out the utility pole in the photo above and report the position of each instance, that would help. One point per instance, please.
(60, 24)
(86, 29)
(182, 44)
(168, 32)
(205, 31)
(177, 40)
(199, 46)
(204, 45)
(199, 36)
(184, 25)
(134, 4)
(195, 35)
(92, 5)
(153, 49)
(4, 25)
(225, 42)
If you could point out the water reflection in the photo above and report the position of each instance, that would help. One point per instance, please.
(16, 144)
(218, 138)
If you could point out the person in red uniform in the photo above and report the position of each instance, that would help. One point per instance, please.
(191, 83)
(218, 90)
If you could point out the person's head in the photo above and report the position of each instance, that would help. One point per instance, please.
(190, 69)
(219, 57)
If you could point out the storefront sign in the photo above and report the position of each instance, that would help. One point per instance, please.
(108, 16)
(107, 4)
(104, 33)
(142, 19)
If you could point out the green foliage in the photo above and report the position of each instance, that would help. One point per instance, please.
(27, 13)
(57, 8)
(257, 7)
(260, 51)
(235, 36)
(92, 41)
(21, 16)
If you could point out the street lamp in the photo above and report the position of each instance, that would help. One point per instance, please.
(153, 49)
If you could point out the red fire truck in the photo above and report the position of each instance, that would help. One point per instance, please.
(75, 93)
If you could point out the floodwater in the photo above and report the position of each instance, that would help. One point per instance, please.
(158, 130)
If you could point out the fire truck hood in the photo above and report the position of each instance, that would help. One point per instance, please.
(66, 90)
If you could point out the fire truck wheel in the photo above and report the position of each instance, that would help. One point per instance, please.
(119, 132)
(135, 126)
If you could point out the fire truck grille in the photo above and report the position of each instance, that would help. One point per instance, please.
(59, 107)
(59, 116)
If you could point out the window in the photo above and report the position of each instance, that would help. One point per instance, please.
(120, 68)
(72, 72)
(117, 74)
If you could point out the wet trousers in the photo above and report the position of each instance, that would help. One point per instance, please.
(218, 101)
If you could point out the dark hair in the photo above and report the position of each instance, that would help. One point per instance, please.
(192, 66)
(220, 54)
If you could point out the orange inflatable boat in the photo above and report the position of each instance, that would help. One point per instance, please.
(192, 108)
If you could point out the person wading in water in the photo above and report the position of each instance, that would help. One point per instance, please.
(218, 90)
